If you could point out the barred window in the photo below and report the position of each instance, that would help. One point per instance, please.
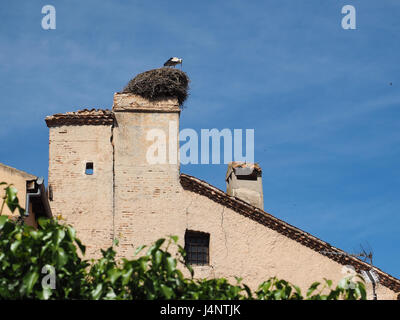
(197, 247)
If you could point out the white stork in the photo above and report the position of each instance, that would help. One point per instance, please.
(172, 62)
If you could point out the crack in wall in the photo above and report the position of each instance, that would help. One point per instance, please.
(223, 230)
(187, 213)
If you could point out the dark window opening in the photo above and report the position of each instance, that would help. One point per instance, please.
(247, 177)
(197, 246)
(50, 192)
(89, 168)
(247, 174)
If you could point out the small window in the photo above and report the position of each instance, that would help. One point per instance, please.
(50, 192)
(89, 168)
(197, 246)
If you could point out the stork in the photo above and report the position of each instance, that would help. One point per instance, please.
(172, 62)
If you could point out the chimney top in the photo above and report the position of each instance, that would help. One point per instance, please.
(133, 102)
(244, 181)
(243, 169)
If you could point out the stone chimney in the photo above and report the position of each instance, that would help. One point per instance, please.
(244, 181)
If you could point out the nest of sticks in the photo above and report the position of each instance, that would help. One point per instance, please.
(158, 84)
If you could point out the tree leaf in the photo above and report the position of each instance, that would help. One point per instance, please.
(71, 232)
(168, 292)
(45, 294)
(3, 220)
(111, 294)
(11, 198)
(15, 245)
(139, 249)
(158, 257)
(62, 258)
(126, 276)
(113, 275)
(30, 280)
(171, 264)
(43, 222)
(312, 288)
(96, 293)
(363, 292)
(80, 245)
(59, 236)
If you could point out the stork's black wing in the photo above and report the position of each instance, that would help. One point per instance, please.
(168, 62)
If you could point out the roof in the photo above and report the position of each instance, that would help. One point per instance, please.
(81, 117)
(24, 174)
(203, 188)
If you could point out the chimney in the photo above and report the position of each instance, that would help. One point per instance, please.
(244, 181)
(145, 139)
(145, 136)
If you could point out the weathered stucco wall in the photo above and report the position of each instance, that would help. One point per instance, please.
(85, 201)
(18, 179)
(239, 246)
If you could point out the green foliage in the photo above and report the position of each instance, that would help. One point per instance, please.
(10, 199)
(151, 274)
(24, 251)
(275, 289)
(154, 275)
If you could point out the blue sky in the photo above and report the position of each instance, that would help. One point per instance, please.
(326, 118)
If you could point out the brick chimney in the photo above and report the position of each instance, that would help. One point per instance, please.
(244, 181)
(141, 126)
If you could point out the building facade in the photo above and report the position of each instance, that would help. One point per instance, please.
(103, 184)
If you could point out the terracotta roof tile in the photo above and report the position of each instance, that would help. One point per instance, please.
(201, 187)
(81, 117)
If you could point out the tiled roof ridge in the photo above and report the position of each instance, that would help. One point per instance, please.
(81, 117)
(201, 187)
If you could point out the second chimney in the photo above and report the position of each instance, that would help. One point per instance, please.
(244, 181)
